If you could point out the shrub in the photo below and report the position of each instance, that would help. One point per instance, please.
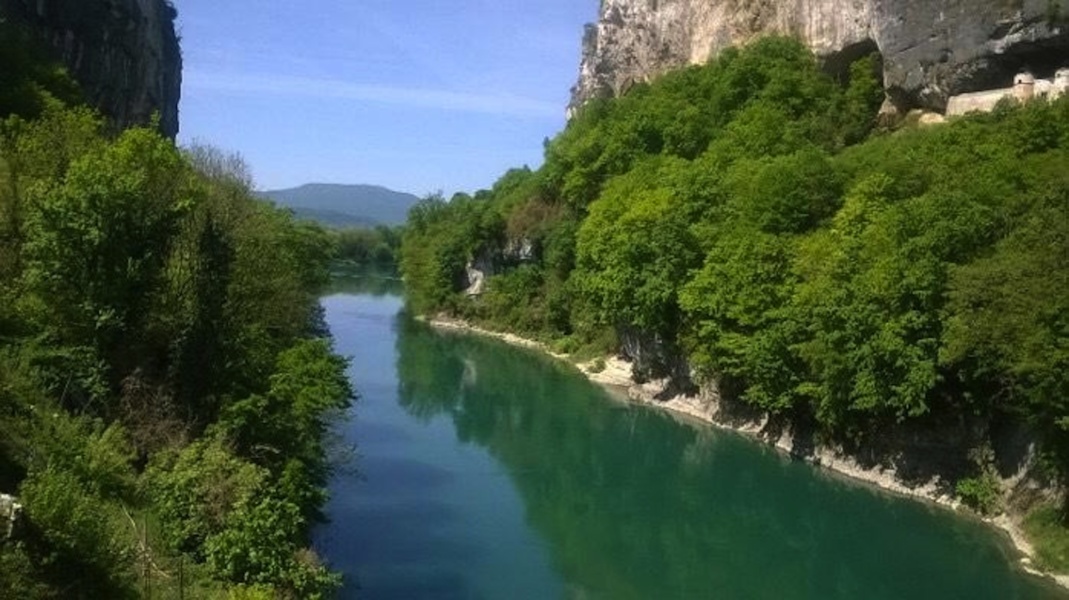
(982, 493)
(82, 532)
(261, 545)
(195, 491)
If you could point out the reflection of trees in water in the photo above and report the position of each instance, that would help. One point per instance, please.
(365, 281)
(635, 505)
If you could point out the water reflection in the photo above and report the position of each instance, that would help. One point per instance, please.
(371, 282)
(635, 505)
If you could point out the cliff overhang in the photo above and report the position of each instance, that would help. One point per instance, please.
(931, 49)
(124, 53)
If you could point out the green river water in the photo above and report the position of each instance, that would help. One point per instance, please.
(486, 471)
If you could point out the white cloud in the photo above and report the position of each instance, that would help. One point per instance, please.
(444, 100)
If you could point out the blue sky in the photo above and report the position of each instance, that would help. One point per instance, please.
(416, 95)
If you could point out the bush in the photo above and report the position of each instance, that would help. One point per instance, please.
(83, 533)
(982, 493)
(196, 490)
(19, 577)
(261, 545)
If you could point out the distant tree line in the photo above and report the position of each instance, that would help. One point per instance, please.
(368, 247)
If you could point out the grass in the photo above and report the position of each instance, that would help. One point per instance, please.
(581, 351)
(1047, 532)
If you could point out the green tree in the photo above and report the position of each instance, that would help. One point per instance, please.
(741, 330)
(1008, 328)
(634, 251)
(96, 246)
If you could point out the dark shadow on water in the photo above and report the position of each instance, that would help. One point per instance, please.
(399, 550)
(381, 433)
(425, 515)
(432, 586)
(397, 476)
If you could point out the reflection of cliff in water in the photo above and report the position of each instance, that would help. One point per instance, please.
(635, 505)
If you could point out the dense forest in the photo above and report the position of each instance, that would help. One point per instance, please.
(750, 224)
(165, 379)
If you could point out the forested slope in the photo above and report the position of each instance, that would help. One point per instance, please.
(743, 225)
(165, 381)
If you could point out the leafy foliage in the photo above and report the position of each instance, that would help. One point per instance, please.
(369, 247)
(634, 252)
(156, 313)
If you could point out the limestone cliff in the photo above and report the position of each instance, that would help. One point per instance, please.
(124, 53)
(931, 49)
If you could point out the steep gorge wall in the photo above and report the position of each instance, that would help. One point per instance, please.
(124, 53)
(932, 49)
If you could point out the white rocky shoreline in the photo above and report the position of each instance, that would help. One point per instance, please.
(616, 377)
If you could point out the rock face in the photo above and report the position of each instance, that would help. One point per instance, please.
(931, 49)
(10, 515)
(124, 53)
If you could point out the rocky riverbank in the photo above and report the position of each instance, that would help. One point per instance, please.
(705, 407)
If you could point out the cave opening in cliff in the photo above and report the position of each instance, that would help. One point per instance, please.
(996, 71)
(837, 64)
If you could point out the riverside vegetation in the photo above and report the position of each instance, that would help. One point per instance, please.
(371, 248)
(748, 219)
(165, 379)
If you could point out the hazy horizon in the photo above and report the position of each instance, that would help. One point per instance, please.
(418, 98)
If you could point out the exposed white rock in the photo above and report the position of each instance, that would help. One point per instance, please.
(10, 514)
(932, 49)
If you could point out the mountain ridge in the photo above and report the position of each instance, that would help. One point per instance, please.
(345, 205)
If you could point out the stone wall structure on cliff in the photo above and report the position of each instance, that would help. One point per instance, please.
(1025, 89)
(124, 53)
(931, 49)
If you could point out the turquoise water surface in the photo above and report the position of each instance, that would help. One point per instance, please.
(486, 471)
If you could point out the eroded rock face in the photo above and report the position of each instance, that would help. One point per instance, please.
(124, 53)
(10, 515)
(478, 270)
(932, 49)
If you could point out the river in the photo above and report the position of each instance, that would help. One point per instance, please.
(486, 471)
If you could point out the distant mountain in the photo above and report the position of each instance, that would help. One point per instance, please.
(337, 205)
